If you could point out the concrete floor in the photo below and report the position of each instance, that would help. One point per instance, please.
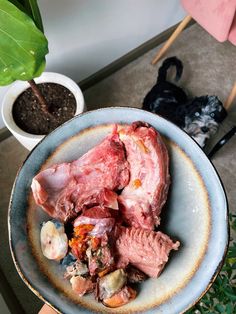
(209, 69)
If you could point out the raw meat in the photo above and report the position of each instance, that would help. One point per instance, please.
(104, 253)
(122, 297)
(147, 250)
(81, 285)
(143, 198)
(64, 190)
(102, 220)
(101, 260)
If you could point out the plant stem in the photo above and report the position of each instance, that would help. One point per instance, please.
(40, 97)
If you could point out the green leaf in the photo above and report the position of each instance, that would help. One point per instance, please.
(231, 296)
(220, 308)
(233, 263)
(229, 308)
(33, 11)
(19, 4)
(30, 7)
(22, 45)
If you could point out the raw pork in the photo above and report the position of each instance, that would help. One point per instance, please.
(147, 250)
(98, 216)
(81, 285)
(63, 190)
(143, 198)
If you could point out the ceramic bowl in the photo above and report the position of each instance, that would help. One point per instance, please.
(195, 214)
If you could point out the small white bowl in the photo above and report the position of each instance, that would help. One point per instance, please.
(27, 139)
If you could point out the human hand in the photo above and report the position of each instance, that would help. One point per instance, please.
(47, 310)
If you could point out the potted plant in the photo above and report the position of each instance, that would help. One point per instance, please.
(36, 102)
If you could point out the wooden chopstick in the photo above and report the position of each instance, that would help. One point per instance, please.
(231, 97)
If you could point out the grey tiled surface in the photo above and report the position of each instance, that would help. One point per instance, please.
(12, 154)
(209, 69)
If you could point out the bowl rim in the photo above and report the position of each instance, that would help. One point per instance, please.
(17, 265)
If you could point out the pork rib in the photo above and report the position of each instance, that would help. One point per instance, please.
(143, 198)
(65, 189)
(147, 250)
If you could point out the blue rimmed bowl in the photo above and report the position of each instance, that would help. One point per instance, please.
(195, 214)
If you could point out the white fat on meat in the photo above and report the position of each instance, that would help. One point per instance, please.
(101, 226)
